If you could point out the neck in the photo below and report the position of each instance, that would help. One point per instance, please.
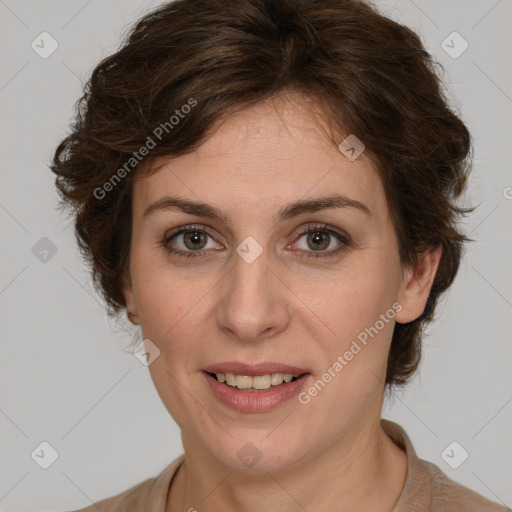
(363, 471)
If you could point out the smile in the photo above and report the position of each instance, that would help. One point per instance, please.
(251, 398)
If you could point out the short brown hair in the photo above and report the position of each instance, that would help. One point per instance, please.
(372, 76)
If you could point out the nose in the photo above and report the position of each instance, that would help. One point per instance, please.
(254, 302)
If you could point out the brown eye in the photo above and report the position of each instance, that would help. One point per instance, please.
(192, 241)
(195, 240)
(188, 241)
(318, 238)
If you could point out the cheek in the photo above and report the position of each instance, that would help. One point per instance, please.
(172, 310)
(355, 298)
(360, 313)
(354, 360)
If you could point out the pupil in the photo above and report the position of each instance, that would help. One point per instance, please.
(196, 237)
(320, 234)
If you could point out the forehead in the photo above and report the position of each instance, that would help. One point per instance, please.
(276, 149)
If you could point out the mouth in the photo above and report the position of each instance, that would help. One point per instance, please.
(255, 387)
(255, 393)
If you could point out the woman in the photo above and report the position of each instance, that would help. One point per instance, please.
(267, 188)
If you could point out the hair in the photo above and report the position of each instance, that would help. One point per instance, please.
(188, 64)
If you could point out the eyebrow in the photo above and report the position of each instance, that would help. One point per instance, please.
(173, 203)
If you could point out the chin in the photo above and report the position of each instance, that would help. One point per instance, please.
(258, 453)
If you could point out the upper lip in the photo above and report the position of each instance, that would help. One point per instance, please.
(240, 368)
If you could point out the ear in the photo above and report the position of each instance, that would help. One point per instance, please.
(131, 310)
(416, 286)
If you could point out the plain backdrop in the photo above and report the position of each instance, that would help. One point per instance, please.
(63, 377)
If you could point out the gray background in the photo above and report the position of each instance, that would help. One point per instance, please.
(63, 377)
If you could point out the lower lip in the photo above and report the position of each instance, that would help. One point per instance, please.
(255, 401)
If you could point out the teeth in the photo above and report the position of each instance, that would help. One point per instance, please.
(243, 382)
(257, 382)
(277, 378)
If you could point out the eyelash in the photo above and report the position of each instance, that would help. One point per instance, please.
(343, 238)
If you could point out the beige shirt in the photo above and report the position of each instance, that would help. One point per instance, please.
(427, 488)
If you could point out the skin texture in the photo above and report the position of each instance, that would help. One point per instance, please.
(283, 307)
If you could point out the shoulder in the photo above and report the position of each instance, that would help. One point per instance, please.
(428, 489)
(149, 495)
(131, 499)
(450, 496)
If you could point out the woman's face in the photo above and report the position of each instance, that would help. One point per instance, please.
(248, 286)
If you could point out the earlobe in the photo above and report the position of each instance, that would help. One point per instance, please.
(416, 286)
(131, 310)
(134, 319)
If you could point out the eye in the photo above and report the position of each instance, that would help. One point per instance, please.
(190, 241)
(319, 237)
